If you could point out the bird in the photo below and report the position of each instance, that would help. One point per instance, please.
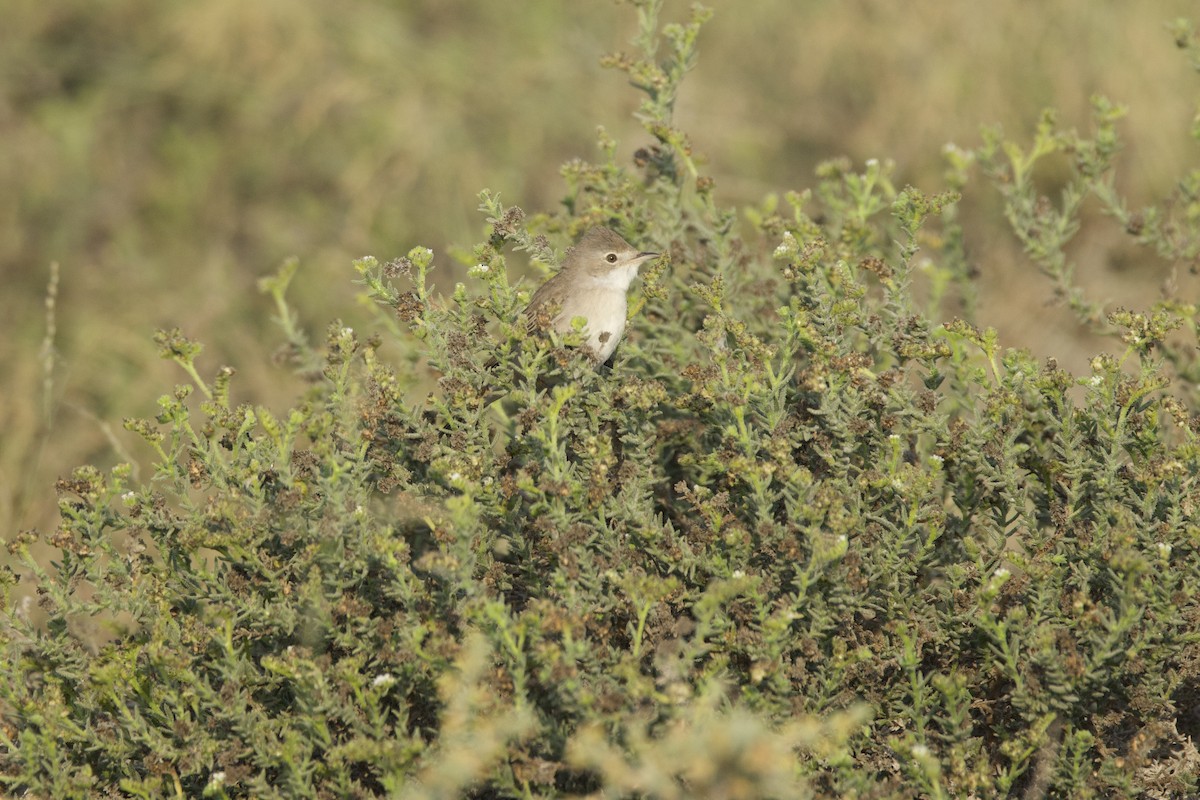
(592, 284)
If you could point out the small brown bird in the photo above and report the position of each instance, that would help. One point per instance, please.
(592, 284)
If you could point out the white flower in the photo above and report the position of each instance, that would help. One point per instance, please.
(920, 751)
(216, 779)
(455, 476)
(1164, 549)
(383, 679)
(737, 573)
(935, 458)
(1001, 573)
(786, 246)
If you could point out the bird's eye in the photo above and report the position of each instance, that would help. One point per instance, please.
(611, 258)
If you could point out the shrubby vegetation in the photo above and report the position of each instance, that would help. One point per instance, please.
(806, 537)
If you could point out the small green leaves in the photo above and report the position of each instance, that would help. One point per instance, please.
(911, 208)
(1143, 332)
(174, 346)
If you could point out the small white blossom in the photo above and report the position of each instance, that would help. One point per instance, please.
(383, 679)
(347, 331)
(216, 779)
(1001, 573)
(455, 476)
(920, 751)
(786, 246)
(737, 573)
(935, 458)
(1164, 549)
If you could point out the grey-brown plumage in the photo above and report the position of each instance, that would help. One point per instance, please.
(592, 284)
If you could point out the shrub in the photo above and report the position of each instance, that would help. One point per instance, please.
(799, 540)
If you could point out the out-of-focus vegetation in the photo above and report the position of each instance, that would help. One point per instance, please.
(166, 155)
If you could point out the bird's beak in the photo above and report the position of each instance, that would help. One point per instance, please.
(646, 255)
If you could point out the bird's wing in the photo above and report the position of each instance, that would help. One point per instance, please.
(548, 294)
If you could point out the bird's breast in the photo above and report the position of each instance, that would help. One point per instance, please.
(604, 309)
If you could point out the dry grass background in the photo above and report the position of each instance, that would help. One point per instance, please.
(166, 155)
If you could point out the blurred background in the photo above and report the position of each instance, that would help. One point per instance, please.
(166, 154)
